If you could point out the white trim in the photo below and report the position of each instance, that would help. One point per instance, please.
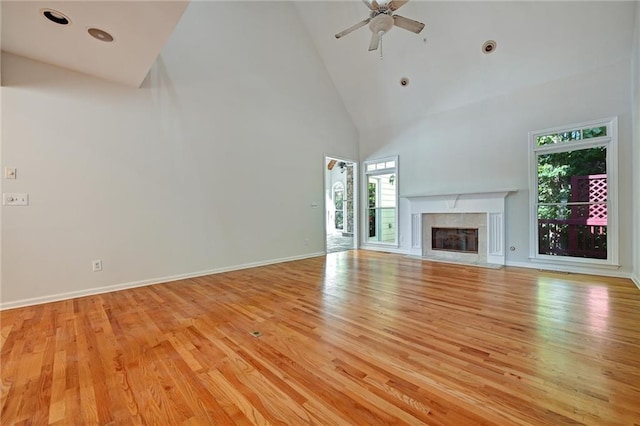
(365, 199)
(356, 199)
(610, 142)
(569, 127)
(142, 283)
(495, 241)
(571, 269)
(416, 231)
(567, 260)
(455, 195)
(384, 248)
(541, 267)
(490, 203)
(636, 281)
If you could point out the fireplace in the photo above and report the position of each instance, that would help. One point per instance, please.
(463, 240)
(481, 211)
(457, 237)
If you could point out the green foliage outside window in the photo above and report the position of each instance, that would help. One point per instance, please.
(573, 135)
(554, 176)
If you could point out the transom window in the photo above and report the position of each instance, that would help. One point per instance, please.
(382, 165)
(573, 188)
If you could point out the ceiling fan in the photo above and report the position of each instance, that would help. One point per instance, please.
(381, 19)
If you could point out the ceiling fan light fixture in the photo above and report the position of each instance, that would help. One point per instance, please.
(55, 16)
(101, 35)
(382, 22)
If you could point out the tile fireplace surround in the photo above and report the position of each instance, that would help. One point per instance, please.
(432, 210)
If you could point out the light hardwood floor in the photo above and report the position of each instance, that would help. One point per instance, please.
(354, 338)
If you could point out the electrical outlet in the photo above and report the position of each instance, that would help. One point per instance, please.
(96, 265)
(15, 199)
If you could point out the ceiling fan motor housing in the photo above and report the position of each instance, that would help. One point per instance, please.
(381, 23)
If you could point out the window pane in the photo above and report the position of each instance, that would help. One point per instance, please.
(373, 192)
(594, 132)
(339, 219)
(382, 208)
(388, 225)
(387, 191)
(390, 164)
(573, 232)
(373, 222)
(382, 224)
(571, 135)
(371, 167)
(575, 176)
(547, 139)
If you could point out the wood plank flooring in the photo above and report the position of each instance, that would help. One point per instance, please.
(353, 338)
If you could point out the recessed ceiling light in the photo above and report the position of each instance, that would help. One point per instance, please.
(100, 35)
(404, 81)
(55, 16)
(489, 46)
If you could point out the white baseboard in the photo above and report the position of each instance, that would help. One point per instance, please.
(540, 266)
(635, 280)
(385, 249)
(571, 269)
(142, 283)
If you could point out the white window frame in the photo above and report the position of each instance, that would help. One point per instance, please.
(365, 192)
(610, 142)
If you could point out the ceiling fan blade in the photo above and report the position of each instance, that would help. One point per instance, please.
(375, 42)
(372, 4)
(408, 24)
(396, 4)
(353, 28)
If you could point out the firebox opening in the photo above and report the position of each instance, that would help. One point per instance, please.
(455, 239)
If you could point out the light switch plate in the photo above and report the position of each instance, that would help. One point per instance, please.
(15, 199)
(10, 172)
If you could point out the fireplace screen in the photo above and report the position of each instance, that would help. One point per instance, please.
(455, 239)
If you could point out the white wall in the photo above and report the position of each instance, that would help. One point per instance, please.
(484, 147)
(635, 76)
(1, 159)
(212, 164)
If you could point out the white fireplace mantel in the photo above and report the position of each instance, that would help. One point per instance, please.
(492, 203)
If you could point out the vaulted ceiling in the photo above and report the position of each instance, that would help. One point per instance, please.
(536, 42)
(139, 30)
(444, 64)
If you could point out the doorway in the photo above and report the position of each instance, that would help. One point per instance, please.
(340, 189)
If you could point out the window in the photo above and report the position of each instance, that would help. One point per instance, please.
(382, 201)
(573, 193)
(338, 203)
